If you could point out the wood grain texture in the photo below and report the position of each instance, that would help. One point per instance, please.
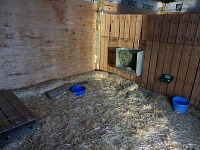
(151, 26)
(175, 68)
(192, 29)
(138, 31)
(160, 65)
(197, 37)
(145, 25)
(182, 70)
(152, 66)
(167, 65)
(42, 40)
(182, 29)
(195, 99)
(158, 28)
(191, 72)
(146, 63)
(173, 28)
(166, 27)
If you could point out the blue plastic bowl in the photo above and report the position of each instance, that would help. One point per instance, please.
(180, 104)
(79, 90)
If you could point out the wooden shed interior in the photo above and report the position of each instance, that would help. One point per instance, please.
(41, 40)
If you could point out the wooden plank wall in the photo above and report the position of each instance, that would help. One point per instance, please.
(45, 39)
(118, 31)
(172, 46)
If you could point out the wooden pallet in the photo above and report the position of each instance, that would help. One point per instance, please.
(15, 118)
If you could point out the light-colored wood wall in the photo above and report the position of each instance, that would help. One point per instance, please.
(45, 39)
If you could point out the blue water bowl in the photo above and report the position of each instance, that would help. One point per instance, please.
(180, 104)
(79, 90)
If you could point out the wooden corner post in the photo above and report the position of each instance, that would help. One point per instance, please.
(100, 11)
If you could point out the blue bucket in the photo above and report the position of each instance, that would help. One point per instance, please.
(180, 104)
(79, 90)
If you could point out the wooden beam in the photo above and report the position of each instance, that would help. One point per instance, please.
(100, 11)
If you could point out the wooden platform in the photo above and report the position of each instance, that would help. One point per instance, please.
(15, 118)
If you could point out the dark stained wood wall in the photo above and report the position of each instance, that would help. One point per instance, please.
(172, 46)
(45, 39)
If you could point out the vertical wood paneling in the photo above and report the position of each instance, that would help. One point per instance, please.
(191, 72)
(175, 67)
(167, 65)
(132, 26)
(195, 98)
(182, 30)
(168, 42)
(145, 26)
(121, 25)
(197, 37)
(127, 26)
(152, 66)
(105, 63)
(160, 64)
(117, 26)
(182, 69)
(166, 27)
(107, 25)
(158, 28)
(192, 29)
(174, 28)
(138, 31)
(102, 53)
(114, 21)
(103, 23)
(147, 62)
(151, 24)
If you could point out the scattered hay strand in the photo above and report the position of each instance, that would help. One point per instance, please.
(113, 114)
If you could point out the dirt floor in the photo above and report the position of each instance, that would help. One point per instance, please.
(114, 114)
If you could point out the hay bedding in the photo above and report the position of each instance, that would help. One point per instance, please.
(112, 115)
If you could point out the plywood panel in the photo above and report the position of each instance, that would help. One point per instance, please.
(182, 30)
(175, 68)
(167, 65)
(191, 72)
(173, 28)
(43, 40)
(147, 62)
(160, 65)
(152, 66)
(182, 69)
(192, 29)
(166, 27)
